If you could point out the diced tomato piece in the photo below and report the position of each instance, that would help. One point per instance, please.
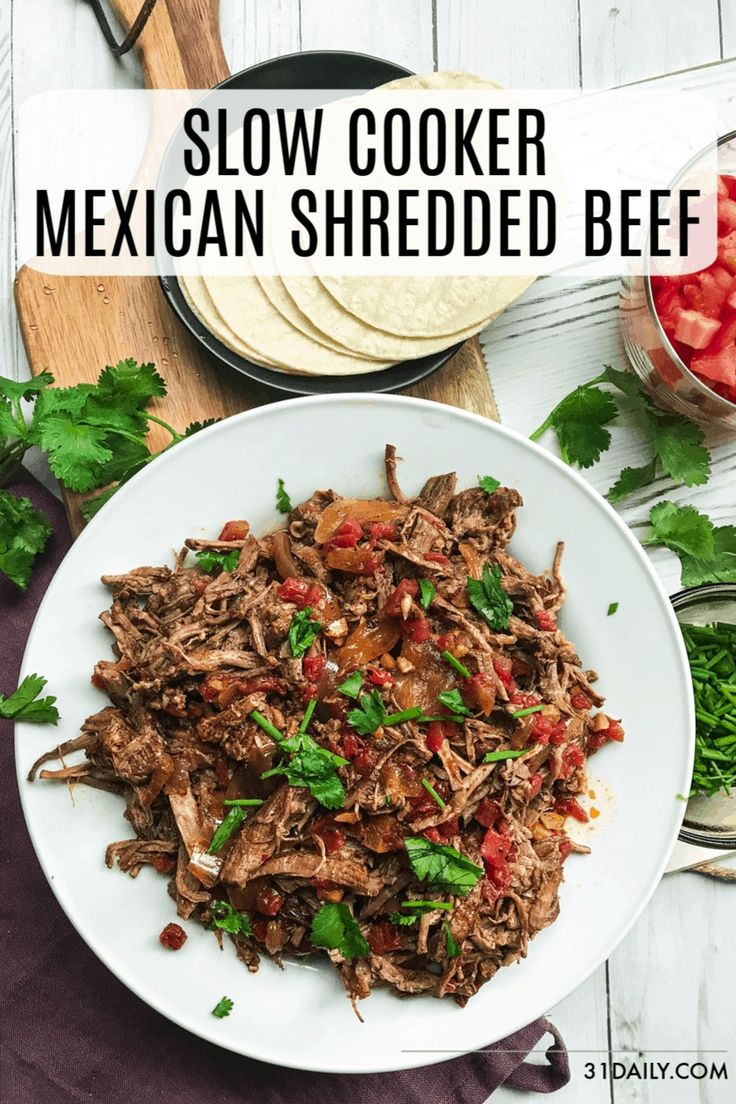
(383, 937)
(524, 700)
(579, 700)
(347, 536)
(382, 530)
(696, 329)
(393, 602)
(502, 666)
(572, 758)
(615, 732)
(535, 785)
(726, 335)
(313, 666)
(496, 850)
(570, 807)
(365, 762)
(173, 936)
(441, 833)
(437, 733)
(541, 729)
(332, 837)
(727, 212)
(720, 367)
(703, 293)
(545, 620)
(378, 676)
(558, 733)
(164, 864)
(234, 530)
(564, 846)
(416, 629)
(436, 557)
(269, 902)
(488, 813)
(352, 745)
(301, 592)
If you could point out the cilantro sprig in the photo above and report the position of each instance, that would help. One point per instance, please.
(580, 420)
(223, 1008)
(226, 918)
(417, 908)
(335, 928)
(370, 714)
(441, 865)
(283, 502)
(226, 561)
(488, 484)
(309, 764)
(707, 552)
(93, 436)
(352, 685)
(302, 632)
(489, 599)
(24, 703)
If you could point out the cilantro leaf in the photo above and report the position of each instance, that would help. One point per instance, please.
(227, 919)
(612, 609)
(678, 444)
(682, 529)
(24, 531)
(427, 591)
(452, 950)
(626, 382)
(452, 699)
(370, 714)
(302, 632)
(578, 421)
(352, 684)
(632, 479)
(130, 383)
(335, 928)
(283, 502)
(489, 599)
(195, 427)
(720, 567)
(223, 1008)
(310, 764)
(25, 705)
(488, 483)
(209, 560)
(441, 865)
(75, 451)
(16, 390)
(402, 920)
(223, 832)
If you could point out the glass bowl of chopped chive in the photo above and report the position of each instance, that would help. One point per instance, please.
(707, 616)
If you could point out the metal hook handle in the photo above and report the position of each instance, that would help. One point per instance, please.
(120, 48)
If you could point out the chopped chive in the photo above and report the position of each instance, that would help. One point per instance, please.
(527, 712)
(425, 906)
(455, 662)
(433, 793)
(413, 714)
(242, 801)
(499, 756)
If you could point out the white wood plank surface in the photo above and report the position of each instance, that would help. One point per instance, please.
(669, 984)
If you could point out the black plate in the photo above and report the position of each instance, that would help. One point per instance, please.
(312, 69)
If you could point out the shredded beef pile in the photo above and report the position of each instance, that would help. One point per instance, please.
(197, 653)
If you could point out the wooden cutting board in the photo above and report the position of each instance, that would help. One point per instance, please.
(73, 325)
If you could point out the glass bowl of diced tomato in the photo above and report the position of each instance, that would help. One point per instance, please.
(680, 330)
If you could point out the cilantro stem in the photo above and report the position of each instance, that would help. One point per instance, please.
(527, 712)
(455, 662)
(10, 458)
(176, 437)
(231, 801)
(433, 793)
(307, 716)
(427, 905)
(549, 420)
(268, 728)
(412, 714)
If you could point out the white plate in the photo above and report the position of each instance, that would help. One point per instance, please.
(300, 1016)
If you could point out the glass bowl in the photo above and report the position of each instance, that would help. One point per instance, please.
(658, 365)
(709, 821)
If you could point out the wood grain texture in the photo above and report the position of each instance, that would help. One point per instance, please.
(96, 322)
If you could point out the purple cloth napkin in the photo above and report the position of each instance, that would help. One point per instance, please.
(72, 1032)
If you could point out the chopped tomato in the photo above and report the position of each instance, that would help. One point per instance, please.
(535, 785)
(381, 530)
(173, 936)
(378, 676)
(164, 864)
(564, 846)
(383, 937)
(393, 602)
(579, 700)
(572, 758)
(416, 629)
(269, 902)
(488, 813)
(497, 851)
(545, 620)
(302, 592)
(234, 531)
(347, 536)
(502, 666)
(313, 667)
(525, 700)
(332, 837)
(570, 807)
(437, 733)
(479, 692)
(719, 367)
(441, 833)
(436, 557)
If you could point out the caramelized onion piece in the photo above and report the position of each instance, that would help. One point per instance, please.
(364, 509)
(381, 834)
(473, 561)
(368, 642)
(429, 677)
